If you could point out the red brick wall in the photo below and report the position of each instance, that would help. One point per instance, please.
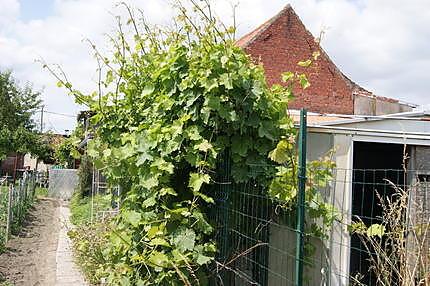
(286, 42)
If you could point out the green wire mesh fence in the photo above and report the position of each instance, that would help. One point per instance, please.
(105, 199)
(256, 235)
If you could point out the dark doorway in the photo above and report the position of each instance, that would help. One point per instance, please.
(373, 164)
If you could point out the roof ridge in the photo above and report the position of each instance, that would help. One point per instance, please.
(246, 40)
(250, 37)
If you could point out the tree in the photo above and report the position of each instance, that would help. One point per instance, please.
(17, 127)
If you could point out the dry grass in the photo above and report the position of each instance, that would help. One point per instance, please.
(401, 254)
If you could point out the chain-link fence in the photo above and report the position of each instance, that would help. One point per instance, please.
(62, 183)
(15, 200)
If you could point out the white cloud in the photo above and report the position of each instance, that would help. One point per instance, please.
(8, 13)
(383, 45)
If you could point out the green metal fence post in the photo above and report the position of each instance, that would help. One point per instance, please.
(301, 200)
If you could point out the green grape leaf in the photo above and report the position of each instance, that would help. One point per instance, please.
(158, 259)
(202, 259)
(281, 154)
(287, 76)
(149, 89)
(376, 230)
(204, 146)
(132, 217)
(197, 180)
(184, 239)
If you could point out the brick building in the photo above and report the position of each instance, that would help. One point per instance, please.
(281, 42)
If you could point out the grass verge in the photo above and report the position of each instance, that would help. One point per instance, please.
(41, 192)
(89, 242)
(89, 239)
(80, 207)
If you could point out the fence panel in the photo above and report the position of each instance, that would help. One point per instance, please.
(256, 237)
(256, 234)
(105, 199)
(62, 183)
(15, 200)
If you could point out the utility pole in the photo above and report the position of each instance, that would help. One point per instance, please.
(41, 133)
(41, 119)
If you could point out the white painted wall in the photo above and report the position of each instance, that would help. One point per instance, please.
(283, 238)
(31, 162)
(341, 199)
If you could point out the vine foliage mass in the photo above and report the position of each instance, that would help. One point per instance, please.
(170, 103)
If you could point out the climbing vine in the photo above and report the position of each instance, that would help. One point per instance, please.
(169, 103)
(319, 214)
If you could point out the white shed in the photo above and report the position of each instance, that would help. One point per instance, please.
(368, 150)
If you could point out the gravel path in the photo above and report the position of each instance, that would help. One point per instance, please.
(41, 254)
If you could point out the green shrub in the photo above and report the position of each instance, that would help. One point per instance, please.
(80, 209)
(85, 176)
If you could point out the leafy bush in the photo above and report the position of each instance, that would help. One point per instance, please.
(64, 153)
(18, 105)
(67, 151)
(85, 176)
(175, 101)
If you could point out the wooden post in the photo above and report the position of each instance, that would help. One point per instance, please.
(14, 167)
(9, 212)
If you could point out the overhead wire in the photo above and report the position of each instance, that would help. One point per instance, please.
(57, 113)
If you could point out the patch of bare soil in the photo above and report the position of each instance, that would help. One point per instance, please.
(30, 258)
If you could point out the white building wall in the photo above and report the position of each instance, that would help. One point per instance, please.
(30, 162)
(283, 238)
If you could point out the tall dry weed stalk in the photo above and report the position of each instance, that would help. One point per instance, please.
(399, 246)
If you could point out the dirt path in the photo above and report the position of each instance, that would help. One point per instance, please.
(31, 256)
(41, 254)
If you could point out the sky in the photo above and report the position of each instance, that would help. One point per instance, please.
(383, 45)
